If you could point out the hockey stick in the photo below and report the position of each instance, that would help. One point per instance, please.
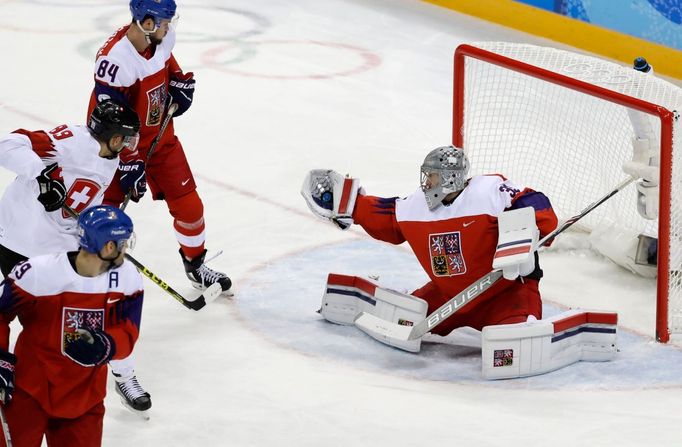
(212, 292)
(5, 427)
(171, 110)
(384, 330)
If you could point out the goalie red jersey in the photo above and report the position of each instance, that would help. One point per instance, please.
(455, 244)
(52, 302)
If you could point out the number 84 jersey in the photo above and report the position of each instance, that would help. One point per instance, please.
(137, 79)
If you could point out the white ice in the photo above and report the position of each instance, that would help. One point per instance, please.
(364, 87)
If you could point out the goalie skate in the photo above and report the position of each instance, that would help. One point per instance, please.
(202, 276)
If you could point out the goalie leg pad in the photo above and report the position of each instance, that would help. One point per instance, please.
(346, 297)
(538, 347)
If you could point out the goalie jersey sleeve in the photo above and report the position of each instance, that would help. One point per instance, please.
(376, 215)
(51, 302)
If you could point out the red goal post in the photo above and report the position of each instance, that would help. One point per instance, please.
(559, 121)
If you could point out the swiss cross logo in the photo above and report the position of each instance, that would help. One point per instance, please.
(80, 195)
(446, 254)
(156, 98)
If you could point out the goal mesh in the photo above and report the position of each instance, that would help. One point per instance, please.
(561, 122)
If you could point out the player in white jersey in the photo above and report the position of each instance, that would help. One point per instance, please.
(70, 165)
(78, 310)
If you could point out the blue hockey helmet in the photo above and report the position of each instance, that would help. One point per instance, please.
(157, 9)
(103, 223)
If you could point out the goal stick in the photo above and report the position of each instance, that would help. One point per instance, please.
(386, 330)
(5, 427)
(211, 293)
(171, 110)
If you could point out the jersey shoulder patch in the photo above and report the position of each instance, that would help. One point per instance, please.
(40, 142)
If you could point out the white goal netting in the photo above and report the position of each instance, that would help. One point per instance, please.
(571, 145)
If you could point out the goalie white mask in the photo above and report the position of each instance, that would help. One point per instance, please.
(444, 171)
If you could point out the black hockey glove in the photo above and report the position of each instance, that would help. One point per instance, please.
(92, 348)
(7, 362)
(181, 90)
(52, 190)
(133, 179)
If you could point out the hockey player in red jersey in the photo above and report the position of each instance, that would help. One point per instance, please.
(70, 165)
(451, 224)
(136, 66)
(77, 310)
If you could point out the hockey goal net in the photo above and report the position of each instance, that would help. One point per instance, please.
(563, 122)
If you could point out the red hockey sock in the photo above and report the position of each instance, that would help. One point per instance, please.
(188, 214)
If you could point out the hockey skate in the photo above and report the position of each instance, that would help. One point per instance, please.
(202, 276)
(133, 396)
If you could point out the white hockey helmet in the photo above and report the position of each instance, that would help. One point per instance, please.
(444, 170)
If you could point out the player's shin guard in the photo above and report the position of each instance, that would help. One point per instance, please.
(346, 297)
(537, 347)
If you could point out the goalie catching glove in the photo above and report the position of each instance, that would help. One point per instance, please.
(331, 196)
(517, 240)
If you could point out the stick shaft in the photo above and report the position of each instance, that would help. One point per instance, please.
(171, 110)
(194, 305)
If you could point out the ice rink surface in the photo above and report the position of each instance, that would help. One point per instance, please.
(363, 87)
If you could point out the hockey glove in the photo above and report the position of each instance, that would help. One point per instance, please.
(52, 189)
(133, 179)
(181, 90)
(7, 362)
(331, 196)
(92, 348)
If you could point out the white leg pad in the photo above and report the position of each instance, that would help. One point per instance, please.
(538, 347)
(346, 297)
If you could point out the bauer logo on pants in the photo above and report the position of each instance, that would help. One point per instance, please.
(446, 254)
(74, 319)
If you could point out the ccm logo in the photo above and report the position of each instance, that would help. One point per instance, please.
(460, 300)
